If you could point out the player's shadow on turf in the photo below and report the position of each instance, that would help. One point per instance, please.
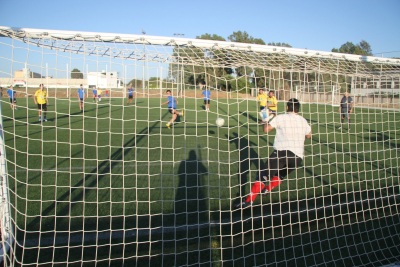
(89, 185)
(190, 199)
(382, 138)
(247, 157)
(250, 116)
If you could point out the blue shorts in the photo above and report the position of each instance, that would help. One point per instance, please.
(171, 110)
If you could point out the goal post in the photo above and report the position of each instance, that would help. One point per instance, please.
(131, 181)
(5, 215)
(329, 94)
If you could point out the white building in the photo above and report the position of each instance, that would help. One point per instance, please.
(103, 79)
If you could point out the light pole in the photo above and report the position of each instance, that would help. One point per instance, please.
(178, 76)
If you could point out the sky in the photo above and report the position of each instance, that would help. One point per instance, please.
(316, 25)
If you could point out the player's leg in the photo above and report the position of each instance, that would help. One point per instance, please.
(274, 166)
(174, 116)
(341, 120)
(349, 119)
(261, 112)
(40, 112)
(44, 112)
(178, 113)
(288, 163)
(270, 114)
(270, 167)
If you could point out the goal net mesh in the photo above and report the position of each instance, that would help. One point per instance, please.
(112, 185)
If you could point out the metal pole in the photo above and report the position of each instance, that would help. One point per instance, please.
(144, 61)
(179, 85)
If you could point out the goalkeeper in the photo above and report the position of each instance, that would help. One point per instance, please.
(291, 131)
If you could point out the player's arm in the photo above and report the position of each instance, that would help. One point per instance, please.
(308, 136)
(176, 101)
(166, 102)
(34, 99)
(352, 105)
(267, 127)
(273, 104)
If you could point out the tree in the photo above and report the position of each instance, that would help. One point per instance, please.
(363, 48)
(208, 36)
(76, 74)
(244, 37)
(280, 44)
(364, 45)
(136, 83)
(210, 75)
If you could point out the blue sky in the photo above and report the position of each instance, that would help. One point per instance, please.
(317, 25)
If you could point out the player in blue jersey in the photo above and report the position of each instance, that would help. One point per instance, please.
(13, 100)
(172, 102)
(130, 94)
(81, 97)
(207, 96)
(94, 94)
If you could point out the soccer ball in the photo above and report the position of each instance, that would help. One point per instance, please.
(220, 122)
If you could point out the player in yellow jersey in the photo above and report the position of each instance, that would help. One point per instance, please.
(262, 102)
(99, 92)
(272, 104)
(41, 101)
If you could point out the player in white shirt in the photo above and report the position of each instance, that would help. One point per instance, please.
(291, 132)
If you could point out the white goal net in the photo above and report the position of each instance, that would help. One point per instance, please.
(97, 170)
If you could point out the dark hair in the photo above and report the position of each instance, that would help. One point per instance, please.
(271, 91)
(293, 105)
(168, 91)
